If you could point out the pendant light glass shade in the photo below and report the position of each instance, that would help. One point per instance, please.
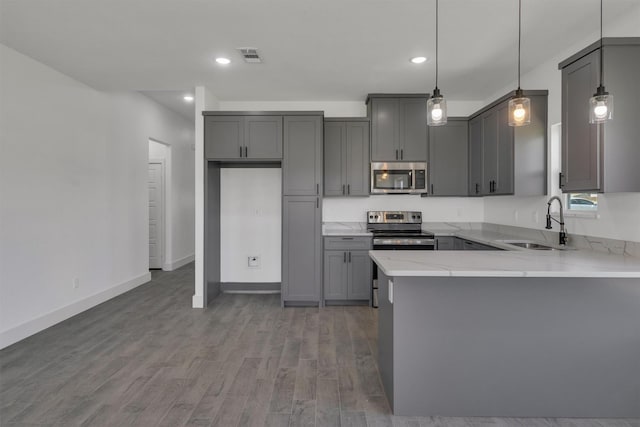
(601, 103)
(519, 110)
(600, 106)
(436, 109)
(436, 105)
(519, 105)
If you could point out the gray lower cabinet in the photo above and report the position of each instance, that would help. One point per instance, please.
(448, 243)
(347, 269)
(302, 163)
(301, 249)
(448, 154)
(346, 157)
(242, 137)
(468, 245)
(504, 159)
(604, 157)
(398, 127)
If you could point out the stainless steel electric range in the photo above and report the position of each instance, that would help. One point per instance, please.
(396, 230)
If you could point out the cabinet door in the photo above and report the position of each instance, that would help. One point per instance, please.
(475, 157)
(490, 150)
(504, 152)
(580, 140)
(223, 137)
(445, 243)
(448, 165)
(301, 249)
(263, 137)
(357, 158)
(335, 275)
(413, 129)
(334, 159)
(359, 275)
(384, 129)
(302, 162)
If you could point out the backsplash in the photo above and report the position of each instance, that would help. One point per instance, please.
(599, 244)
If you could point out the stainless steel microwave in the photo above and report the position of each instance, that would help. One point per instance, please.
(398, 177)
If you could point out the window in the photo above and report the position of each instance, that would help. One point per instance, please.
(582, 202)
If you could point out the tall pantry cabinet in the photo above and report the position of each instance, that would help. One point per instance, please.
(302, 209)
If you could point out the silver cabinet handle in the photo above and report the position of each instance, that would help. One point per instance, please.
(396, 154)
(342, 188)
(344, 258)
(348, 188)
(317, 202)
(349, 256)
(246, 151)
(401, 154)
(240, 151)
(317, 188)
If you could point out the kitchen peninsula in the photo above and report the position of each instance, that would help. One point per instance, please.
(509, 333)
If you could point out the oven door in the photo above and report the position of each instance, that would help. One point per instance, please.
(403, 244)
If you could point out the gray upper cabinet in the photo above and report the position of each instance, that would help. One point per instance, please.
(223, 137)
(301, 249)
(507, 160)
(398, 127)
(253, 137)
(263, 137)
(302, 164)
(346, 157)
(475, 157)
(448, 166)
(413, 129)
(604, 157)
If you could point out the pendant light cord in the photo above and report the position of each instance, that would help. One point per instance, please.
(601, 48)
(436, 44)
(520, 36)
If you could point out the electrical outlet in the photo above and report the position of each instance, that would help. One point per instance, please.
(254, 261)
(76, 283)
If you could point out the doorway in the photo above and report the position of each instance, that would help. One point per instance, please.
(156, 214)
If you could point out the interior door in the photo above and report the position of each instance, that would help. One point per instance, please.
(156, 203)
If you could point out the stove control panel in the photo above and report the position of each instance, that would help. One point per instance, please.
(394, 217)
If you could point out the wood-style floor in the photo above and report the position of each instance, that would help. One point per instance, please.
(146, 358)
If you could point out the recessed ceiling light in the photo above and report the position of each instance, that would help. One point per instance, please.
(188, 98)
(223, 61)
(418, 59)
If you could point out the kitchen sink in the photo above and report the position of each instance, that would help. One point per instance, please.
(531, 245)
(526, 244)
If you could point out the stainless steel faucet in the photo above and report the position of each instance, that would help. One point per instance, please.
(563, 232)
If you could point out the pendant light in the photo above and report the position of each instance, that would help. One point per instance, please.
(601, 103)
(519, 105)
(436, 105)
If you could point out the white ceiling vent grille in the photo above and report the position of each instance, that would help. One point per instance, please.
(250, 55)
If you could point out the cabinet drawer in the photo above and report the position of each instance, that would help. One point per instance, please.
(347, 242)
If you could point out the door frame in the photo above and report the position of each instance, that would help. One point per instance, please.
(163, 212)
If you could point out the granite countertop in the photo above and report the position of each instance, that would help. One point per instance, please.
(345, 229)
(528, 263)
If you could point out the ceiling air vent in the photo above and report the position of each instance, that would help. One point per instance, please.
(250, 55)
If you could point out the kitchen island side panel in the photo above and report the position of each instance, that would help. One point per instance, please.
(385, 336)
(515, 347)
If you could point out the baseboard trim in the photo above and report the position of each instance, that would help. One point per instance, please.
(248, 287)
(31, 327)
(170, 266)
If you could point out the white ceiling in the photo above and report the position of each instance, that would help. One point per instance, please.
(312, 49)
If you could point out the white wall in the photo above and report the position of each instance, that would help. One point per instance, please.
(617, 213)
(250, 224)
(205, 101)
(73, 191)
(452, 209)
